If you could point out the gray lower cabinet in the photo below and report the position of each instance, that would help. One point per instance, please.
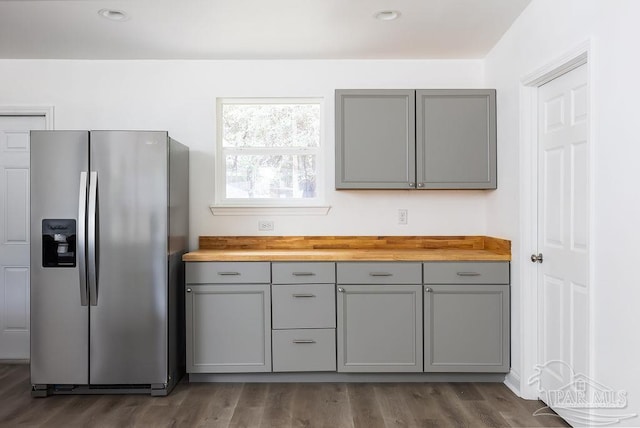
(228, 323)
(466, 317)
(304, 316)
(379, 321)
(304, 350)
(415, 139)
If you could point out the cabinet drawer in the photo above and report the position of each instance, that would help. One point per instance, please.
(379, 273)
(303, 306)
(466, 273)
(310, 350)
(228, 272)
(304, 273)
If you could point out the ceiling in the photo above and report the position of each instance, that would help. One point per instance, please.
(254, 29)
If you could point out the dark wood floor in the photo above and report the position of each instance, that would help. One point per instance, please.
(274, 405)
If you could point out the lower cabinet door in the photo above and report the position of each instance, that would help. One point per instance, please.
(304, 350)
(466, 328)
(228, 328)
(379, 328)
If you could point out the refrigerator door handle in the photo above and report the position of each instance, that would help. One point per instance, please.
(82, 224)
(92, 221)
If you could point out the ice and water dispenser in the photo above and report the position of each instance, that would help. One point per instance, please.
(58, 243)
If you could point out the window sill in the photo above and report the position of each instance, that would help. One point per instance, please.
(267, 210)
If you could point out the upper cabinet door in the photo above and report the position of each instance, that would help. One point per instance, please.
(456, 139)
(375, 139)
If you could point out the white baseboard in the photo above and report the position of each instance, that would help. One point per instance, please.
(512, 381)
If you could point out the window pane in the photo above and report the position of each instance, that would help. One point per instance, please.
(271, 125)
(271, 176)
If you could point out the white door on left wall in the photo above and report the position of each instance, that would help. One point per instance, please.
(14, 234)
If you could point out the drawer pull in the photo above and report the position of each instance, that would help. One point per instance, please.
(304, 341)
(468, 274)
(380, 274)
(303, 274)
(228, 273)
(340, 290)
(304, 295)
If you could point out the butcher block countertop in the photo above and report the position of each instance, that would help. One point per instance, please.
(350, 248)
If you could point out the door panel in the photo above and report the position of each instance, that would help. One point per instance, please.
(375, 139)
(14, 234)
(456, 138)
(379, 328)
(59, 330)
(563, 231)
(466, 328)
(129, 323)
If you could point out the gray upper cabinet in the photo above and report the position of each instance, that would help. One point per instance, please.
(425, 139)
(456, 139)
(375, 139)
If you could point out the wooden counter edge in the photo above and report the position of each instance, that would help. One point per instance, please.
(350, 248)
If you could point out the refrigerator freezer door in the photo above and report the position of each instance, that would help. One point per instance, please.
(128, 342)
(59, 322)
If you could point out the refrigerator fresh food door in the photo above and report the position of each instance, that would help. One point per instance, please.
(59, 311)
(127, 252)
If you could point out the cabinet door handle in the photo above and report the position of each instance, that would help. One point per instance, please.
(228, 273)
(304, 295)
(303, 274)
(420, 185)
(340, 290)
(304, 341)
(380, 274)
(188, 290)
(428, 290)
(468, 274)
(412, 184)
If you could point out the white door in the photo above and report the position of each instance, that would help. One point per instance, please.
(563, 234)
(14, 234)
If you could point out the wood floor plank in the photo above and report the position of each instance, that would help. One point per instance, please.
(333, 409)
(365, 409)
(250, 406)
(304, 405)
(423, 409)
(334, 405)
(514, 410)
(220, 401)
(394, 408)
(279, 405)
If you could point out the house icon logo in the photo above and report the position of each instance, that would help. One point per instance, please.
(577, 397)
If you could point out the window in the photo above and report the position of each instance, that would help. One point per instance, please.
(269, 152)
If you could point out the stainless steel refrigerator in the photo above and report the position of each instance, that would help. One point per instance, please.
(109, 226)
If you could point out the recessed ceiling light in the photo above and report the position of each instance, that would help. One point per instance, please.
(387, 15)
(113, 15)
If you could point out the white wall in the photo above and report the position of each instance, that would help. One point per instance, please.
(179, 96)
(544, 32)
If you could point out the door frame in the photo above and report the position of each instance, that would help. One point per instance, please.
(46, 111)
(528, 162)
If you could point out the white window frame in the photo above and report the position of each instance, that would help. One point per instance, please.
(236, 206)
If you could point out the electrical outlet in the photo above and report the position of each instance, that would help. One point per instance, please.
(403, 216)
(265, 225)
